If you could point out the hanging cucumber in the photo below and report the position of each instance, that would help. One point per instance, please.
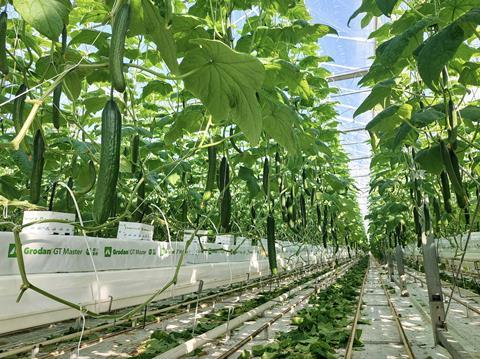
(265, 177)
(184, 211)
(226, 210)
(253, 215)
(135, 146)
(428, 220)
(272, 253)
(212, 170)
(3, 43)
(278, 161)
(52, 196)
(121, 21)
(319, 215)
(37, 169)
(450, 162)
(290, 212)
(226, 197)
(109, 162)
(303, 210)
(57, 92)
(18, 107)
(304, 181)
(436, 209)
(461, 195)
(224, 174)
(324, 227)
(445, 191)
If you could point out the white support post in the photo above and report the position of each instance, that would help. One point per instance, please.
(401, 271)
(432, 275)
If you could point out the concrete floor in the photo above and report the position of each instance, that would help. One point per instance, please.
(463, 325)
(380, 337)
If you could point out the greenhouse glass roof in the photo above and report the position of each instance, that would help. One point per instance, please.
(351, 51)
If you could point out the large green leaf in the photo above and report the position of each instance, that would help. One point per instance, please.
(280, 73)
(391, 55)
(99, 39)
(386, 6)
(46, 16)
(430, 159)
(279, 121)
(439, 49)
(470, 74)
(471, 113)
(146, 19)
(227, 83)
(247, 175)
(389, 118)
(379, 93)
(404, 133)
(156, 86)
(189, 120)
(424, 118)
(336, 182)
(367, 6)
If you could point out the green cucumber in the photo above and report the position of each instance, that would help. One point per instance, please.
(450, 162)
(303, 210)
(304, 180)
(319, 217)
(272, 252)
(436, 209)
(52, 196)
(37, 169)
(109, 162)
(426, 216)
(265, 177)
(324, 226)
(226, 210)
(120, 24)
(135, 146)
(253, 213)
(445, 191)
(3, 43)
(57, 94)
(212, 168)
(18, 107)
(224, 174)
(460, 195)
(184, 211)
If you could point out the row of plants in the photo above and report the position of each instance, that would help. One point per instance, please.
(424, 78)
(321, 328)
(199, 114)
(465, 281)
(161, 341)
